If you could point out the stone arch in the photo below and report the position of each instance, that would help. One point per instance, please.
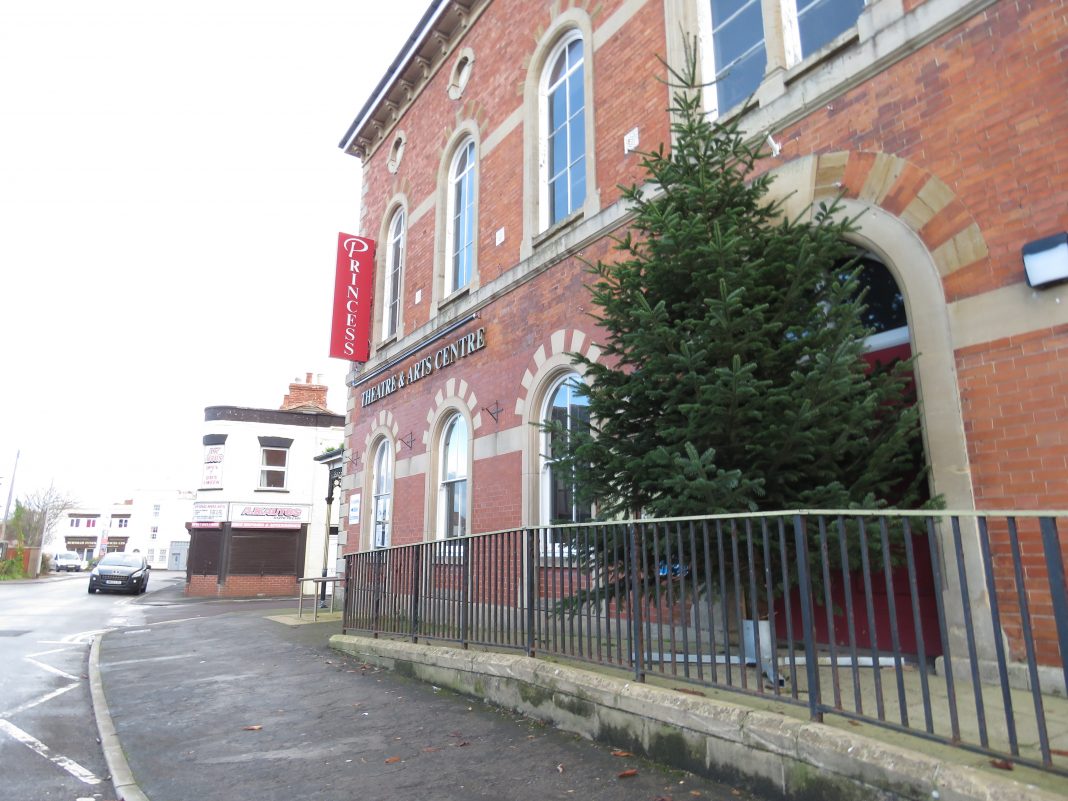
(546, 365)
(923, 233)
(455, 400)
(383, 426)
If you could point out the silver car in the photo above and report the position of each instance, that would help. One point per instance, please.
(70, 562)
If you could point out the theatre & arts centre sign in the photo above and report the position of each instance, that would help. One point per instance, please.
(443, 357)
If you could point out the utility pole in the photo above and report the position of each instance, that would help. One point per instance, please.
(7, 506)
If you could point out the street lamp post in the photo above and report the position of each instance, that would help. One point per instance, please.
(333, 481)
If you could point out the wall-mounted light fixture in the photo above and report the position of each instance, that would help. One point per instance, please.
(1046, 260)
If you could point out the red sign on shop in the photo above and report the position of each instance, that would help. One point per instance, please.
(350, 335)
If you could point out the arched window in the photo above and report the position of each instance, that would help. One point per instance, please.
(382, 494)
(565, 412)
(394, 266)
(563, 131)
(452, 482)
(884, 314)
(460, 219)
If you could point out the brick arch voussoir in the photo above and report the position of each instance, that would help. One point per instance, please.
(559, 343)
(920, 199)
(455, 390)
(383, 421)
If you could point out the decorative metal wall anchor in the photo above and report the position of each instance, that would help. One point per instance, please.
(495, 412)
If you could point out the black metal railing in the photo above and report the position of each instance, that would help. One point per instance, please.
(950, 626)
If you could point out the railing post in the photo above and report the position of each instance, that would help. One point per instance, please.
(1058, 595)
(465, 595)
(637, 642)
(531, 592)
(417, 574)
(805, 588)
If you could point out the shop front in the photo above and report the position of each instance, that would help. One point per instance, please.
(246, 549)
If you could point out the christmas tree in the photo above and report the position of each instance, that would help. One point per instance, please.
(732, 377)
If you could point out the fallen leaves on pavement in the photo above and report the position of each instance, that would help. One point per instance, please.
(628, 773)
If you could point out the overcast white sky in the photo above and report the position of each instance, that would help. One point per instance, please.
(170, 196)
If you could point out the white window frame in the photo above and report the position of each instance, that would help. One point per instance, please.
(396, 241)
(265, 468)
(462, 219)
(123, 522)
(382, 495)
(546, 219)
(545, 460)
(776, 16)
(708, 54)
(448, 487)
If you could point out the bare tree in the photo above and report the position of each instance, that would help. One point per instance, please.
(41, 511)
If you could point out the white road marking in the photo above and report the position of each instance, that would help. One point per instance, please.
(83, 637)
(179, 620)
(31, 742)
(41, 700)
(53, 651)
(51, 669)
(148, 659)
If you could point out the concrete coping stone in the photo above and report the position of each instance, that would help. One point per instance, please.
(802, 753)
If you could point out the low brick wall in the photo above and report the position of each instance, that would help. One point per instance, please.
(242, 586)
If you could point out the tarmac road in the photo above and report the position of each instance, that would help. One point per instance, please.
(238, 706)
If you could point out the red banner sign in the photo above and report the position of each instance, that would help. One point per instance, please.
(350, 336)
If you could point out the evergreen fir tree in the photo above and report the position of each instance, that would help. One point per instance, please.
(731, 378)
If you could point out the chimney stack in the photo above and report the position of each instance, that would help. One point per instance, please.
(306, 397)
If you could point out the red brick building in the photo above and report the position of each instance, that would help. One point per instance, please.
(492, 152)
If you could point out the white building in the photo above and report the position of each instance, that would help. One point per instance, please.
(151, 522)
(259, 521)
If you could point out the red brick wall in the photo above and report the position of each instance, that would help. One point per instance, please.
(972, 109)
(243, 586)
(1014, 394)
(626, 94)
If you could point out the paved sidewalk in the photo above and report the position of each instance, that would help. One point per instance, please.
(239, 706)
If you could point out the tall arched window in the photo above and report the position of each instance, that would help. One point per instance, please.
(460, 229)
(563, 132)
(566, 412)
(884, 314)
(382, 494)
(452, 483)
(394, 266)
